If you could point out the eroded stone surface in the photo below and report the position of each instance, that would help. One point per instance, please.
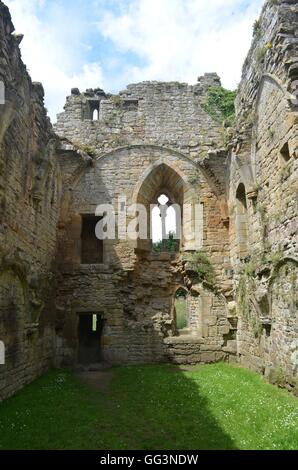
(150, 139)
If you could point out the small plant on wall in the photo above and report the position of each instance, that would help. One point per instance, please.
(199, 263)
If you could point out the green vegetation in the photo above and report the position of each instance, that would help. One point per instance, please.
(87, 149)
(194, 179)
(201, 264)
(257, 29)
(152, 407)
(171, 245)
(181, 312)
(220, 104)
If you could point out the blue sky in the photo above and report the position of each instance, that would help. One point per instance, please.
(111, 43)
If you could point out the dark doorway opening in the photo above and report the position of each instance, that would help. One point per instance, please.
(90, 335)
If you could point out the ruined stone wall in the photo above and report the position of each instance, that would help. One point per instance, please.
(152, 137)
(264, 160)
(29, 200)
(156, 113)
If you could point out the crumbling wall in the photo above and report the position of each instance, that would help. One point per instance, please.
(29, 200)
(264, 160)
(133, 289)
(167, 114)
(153, 137)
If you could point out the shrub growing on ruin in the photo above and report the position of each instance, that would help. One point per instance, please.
(220, 104)
(201, 265)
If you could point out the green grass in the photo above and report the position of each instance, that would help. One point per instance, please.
(152, 408)
(181, 313)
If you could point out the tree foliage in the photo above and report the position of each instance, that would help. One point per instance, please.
(170, 245)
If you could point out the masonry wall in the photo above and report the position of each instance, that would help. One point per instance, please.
(152, 138)
(133, 289)
(29, 200)
(264, 160)
(166, 114)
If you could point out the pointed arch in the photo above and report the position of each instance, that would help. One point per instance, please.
(164, 178)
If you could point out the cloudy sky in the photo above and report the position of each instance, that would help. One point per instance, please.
(111, 43)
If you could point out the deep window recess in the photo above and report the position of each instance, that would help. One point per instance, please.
(285, 152)
(181, 315)
(91, 246)
(164, 226)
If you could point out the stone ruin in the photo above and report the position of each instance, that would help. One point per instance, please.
(57, 278)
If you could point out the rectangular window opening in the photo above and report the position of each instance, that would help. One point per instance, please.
(91, 246)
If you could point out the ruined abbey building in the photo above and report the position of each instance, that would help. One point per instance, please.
(68, 298)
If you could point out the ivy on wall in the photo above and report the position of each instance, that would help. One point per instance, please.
(220, 104)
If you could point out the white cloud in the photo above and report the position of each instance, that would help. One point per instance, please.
(173, 39)
(53, 51)
(180, 39)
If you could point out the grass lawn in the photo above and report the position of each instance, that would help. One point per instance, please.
(152, 408)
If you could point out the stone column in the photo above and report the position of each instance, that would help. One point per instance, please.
(163, 214)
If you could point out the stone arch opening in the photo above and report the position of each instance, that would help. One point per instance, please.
(181, 315)
(91, 110)
(95, 115)
(241, 221)
(165, 230)
(163, 180)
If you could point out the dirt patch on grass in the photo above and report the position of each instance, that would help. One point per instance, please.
(98, 380)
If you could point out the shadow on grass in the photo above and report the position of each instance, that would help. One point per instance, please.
(159, 407)
(148, 407)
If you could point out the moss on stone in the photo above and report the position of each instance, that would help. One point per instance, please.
(87, 149)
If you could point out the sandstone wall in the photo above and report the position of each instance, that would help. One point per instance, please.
(29, 200)
(150, 139)
(264, 160)
(157, 113)
(153, 137)
(133, 289)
